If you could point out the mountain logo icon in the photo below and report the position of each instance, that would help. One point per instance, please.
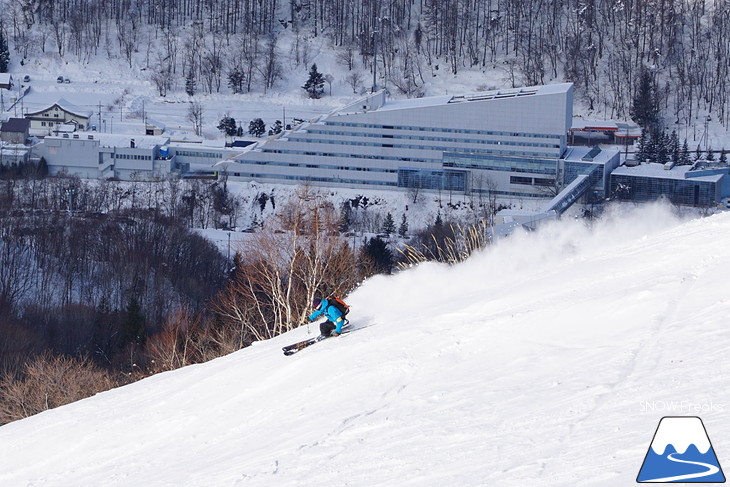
(680, 452)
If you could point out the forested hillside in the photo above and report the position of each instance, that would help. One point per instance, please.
(106, 282)
(244, 45)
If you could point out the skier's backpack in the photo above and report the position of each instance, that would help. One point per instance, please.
(339, 304)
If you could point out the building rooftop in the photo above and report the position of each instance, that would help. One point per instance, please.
(66, 106)
(16, 125)
(480, 96)
(117, 140)
(654, 170)
(377, 101)
(594, 155)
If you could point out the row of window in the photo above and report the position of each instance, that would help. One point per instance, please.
(441, 129)
(348, 155)
(318, 166)
(212, 155)
(509, 194)
(574, 169)
(316, 179)
(418, 147)
(531, 181)
(679, 191)
(433, 138)
(133, 157)
(427, 179)
(511, 164)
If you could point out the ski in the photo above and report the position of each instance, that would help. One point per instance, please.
(296, 347)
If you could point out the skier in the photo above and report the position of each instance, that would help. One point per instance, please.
(335, 320)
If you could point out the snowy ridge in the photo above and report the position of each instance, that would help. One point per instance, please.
(526, 365)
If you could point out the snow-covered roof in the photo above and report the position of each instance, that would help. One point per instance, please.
(481, 96)
(580, 123)
(620, 129)
(654, 170)
(589, 155)
(68, 107)
(441, 100)
(155, 123)
(118, 140)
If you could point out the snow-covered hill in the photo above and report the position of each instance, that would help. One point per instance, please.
(546, 360)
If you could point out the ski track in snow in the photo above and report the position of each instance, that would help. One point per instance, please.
(528, 364)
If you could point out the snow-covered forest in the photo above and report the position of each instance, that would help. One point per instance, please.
(106, 282)
(243, 45)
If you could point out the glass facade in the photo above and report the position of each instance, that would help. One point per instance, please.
(428, 179)
(501, 163)
(679, 191)
(574, 169)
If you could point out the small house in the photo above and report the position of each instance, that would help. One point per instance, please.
(6, 81)
(15, 131)
(153, 127)
(45, 122)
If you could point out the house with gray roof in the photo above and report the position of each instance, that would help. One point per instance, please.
(47, 120)
(15, 131)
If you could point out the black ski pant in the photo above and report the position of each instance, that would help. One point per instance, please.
(326, 328)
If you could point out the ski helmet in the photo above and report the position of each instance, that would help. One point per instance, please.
(316, 303)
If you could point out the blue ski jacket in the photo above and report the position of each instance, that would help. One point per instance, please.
(331, 312)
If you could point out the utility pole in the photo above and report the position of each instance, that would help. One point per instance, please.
(375, 56)
(70, 194)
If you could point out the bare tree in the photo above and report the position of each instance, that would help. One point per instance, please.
(49, 382)
(16, 268)
(195, 116)
(285, 267)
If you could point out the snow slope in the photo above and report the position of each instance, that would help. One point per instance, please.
(531, 364)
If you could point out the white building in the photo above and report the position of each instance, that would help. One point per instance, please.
(100, 155)
(47, 121)
(507, 142)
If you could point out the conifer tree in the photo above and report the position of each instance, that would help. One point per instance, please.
(403, 228)
(4, 52)
(645, 107)
(315, 84)
(439, 223)
(133, 327)
(661, 148)
(227, 125)
(723, 156)
(190, 83)
(257, 127)
(377, 252)
(388, 224)
(345, 216)
(642, 154)
(684, 158)
(674, 149)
